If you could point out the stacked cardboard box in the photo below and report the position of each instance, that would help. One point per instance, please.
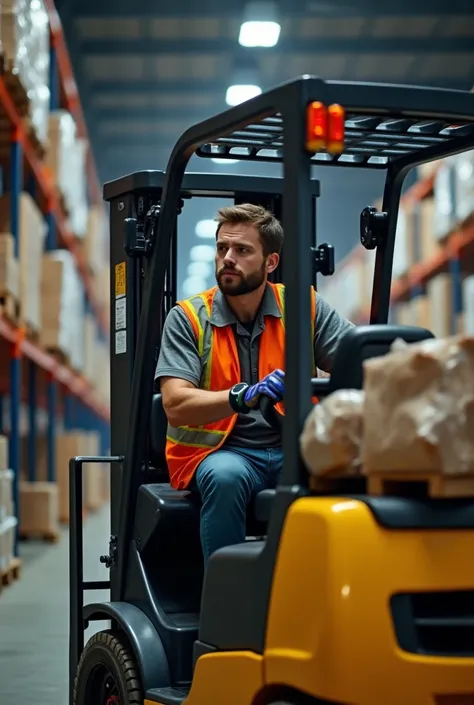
(66, 160)
(61, 138)
(9, 275)
(32, 234)
(8, 520)
(62, 307)
(95, 242)
(53, 498)
(69, 445)
(24, 34)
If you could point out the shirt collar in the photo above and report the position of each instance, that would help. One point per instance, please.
(222, 314)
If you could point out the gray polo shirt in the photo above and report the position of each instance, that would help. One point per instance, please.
(179, 355)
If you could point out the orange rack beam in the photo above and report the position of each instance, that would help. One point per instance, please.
(421, 272)
(75, 383)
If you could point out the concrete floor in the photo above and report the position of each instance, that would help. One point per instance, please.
(34, 617)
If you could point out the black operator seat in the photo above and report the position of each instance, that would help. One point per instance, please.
(159, 503)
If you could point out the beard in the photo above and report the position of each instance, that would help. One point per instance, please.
(238, 285)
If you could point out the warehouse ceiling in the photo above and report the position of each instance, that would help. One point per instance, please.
(147, 70)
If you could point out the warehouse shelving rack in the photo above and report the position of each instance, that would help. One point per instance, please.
(453, 252)
(47, 382)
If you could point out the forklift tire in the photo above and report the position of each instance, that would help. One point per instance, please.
(107, 673)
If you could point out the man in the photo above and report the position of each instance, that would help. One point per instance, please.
(220, 351)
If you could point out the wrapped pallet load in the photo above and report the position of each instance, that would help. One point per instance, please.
(24, 30)
(332, 435)
(62, 307)
(419, 413)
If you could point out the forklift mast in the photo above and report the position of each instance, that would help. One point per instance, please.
(135, 202)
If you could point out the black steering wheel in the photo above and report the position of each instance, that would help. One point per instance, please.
(320, 387)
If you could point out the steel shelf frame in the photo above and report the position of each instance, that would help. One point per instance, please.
(60, 380)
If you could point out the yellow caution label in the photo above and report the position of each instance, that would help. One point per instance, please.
(120, 279)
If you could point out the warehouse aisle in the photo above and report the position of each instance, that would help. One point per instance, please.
(34, 619)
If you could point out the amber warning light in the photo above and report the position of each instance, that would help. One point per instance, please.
(325, 128)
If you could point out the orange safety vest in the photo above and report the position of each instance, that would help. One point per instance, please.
(187, 446)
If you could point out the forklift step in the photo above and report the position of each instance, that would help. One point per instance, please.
(167, 696)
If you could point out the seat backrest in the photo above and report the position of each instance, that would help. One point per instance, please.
(158, 426)
(363, 342)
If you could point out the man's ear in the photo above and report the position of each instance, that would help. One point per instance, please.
(272, 262)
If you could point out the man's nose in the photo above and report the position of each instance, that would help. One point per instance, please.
(229, 257)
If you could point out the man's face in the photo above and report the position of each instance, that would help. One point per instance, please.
(240, 263)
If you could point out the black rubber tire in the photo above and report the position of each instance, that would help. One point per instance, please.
(108, 651)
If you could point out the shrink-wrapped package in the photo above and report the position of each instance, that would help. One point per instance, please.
(24, 30)
(419, 408)
(332, 434)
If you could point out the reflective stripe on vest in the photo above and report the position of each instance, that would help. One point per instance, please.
(187, 446)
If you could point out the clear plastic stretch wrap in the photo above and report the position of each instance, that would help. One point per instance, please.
(24, 31)
(419, 408)
(332, 434)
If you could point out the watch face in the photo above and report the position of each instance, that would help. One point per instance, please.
(238, 387)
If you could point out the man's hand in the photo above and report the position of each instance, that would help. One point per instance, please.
(273, 386)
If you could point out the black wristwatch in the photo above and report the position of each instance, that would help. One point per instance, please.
(236, 398)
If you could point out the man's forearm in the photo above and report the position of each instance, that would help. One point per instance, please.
(195, 407)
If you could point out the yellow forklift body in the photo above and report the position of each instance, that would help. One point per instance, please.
(330, 632)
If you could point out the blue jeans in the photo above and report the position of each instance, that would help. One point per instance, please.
(226, 480)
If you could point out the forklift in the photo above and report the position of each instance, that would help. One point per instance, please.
(341, 598)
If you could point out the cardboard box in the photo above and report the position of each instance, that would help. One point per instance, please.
(440, 295)
(464, 185)
(7, 508)
(9, 269)
(444, 198)
(39, 509)
(32, 233)
(468, 302)
(7, 541)
(62, 307)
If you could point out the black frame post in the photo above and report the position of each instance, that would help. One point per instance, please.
(380, 304)
(298, 223)
(77, 585)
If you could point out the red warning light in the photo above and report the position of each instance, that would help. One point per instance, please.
(316, 126)
(336, 129)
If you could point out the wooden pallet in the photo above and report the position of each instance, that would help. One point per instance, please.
(46, 536)
(420, 484)
(336, 482)
(11, 573)
(398, 484)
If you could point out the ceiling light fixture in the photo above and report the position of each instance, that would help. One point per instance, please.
(240, 92)
(260, 26)
(206, 228)
(202, 253)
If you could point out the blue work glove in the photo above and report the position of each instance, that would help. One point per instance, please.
(273, 386)
(243, 397)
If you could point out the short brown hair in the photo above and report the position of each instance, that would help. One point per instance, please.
(269, 227)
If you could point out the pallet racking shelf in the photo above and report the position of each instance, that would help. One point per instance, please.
(448, 257)
(65, 392)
